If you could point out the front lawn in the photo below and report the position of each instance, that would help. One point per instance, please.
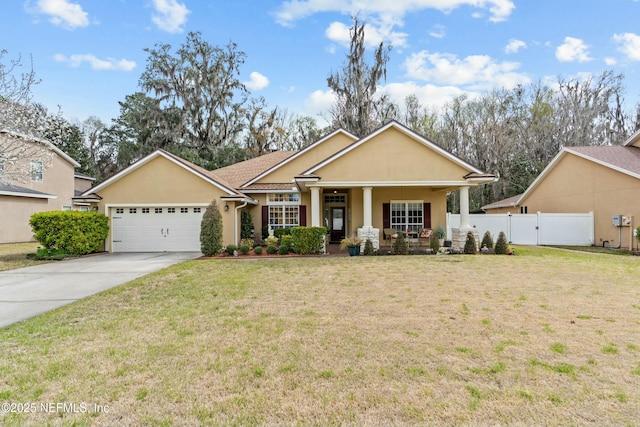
(14, 255)
(546, 337)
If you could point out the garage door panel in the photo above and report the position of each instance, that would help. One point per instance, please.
(157, 229)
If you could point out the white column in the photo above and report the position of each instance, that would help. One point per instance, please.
(464, 208)
(315, 207)
(366, 207)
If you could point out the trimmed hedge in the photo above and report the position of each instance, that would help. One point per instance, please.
(78, 233)
(308, 240)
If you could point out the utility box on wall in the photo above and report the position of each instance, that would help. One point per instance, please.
(621, 221)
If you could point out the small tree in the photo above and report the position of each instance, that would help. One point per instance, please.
(487, 240)
(434, 243)
(502, 247)
(368, 248)
(246, 224)
(400, 246)
(211, 230)
(470, 244)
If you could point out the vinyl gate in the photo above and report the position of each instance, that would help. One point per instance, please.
(575, 229)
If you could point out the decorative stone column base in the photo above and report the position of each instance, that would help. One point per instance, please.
(459, 238)
(370, 233)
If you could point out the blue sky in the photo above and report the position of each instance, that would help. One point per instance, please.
(89, 53)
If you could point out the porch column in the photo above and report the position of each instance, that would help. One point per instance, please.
(315, 207)
(464, 208)
(366, 207)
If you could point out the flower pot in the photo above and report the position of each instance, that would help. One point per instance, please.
(354, 250)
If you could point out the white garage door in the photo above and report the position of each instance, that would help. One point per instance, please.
(156, 229)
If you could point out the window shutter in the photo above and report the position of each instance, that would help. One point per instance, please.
(386, 215)
(426, 215)
(302, 219)
(265, 216)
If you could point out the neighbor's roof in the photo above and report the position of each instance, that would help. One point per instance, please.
(504, 203)
(18, 191)
(625, 159)
(42, 141)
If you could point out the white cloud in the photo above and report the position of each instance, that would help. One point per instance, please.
(293, 10)
(257, 81)
(170, 15)
(573, 50)
(374, 34)
(514, 46)
(319, 103)
(97, 64)
(63, 13)
(437, 31)
(610, 61)
(431, 96)
(629, 45)
(475, 72)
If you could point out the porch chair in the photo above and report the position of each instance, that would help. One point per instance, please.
(425, 235)
(390, 234)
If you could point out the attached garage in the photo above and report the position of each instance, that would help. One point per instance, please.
(156, 228)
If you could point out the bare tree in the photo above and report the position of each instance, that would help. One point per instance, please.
(358, 108)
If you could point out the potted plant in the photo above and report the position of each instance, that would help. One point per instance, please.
(352, 243)
(440, 234)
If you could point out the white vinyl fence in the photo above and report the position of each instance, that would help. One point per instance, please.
(576, 229)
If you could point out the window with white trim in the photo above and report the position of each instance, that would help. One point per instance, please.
(407, 215)
(37, 171)
(284, 210)
(66, 208)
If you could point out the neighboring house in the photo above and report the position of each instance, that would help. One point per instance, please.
(604, 180)
(392, 178)
(35, 176)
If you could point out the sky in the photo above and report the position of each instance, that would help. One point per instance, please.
(89, 54)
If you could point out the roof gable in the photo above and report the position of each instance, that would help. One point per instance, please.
(299, 161)
(404, 130)
(624, 159)
(238, 174)
(179, 162)
(44, 142)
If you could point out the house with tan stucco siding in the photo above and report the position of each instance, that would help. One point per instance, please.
(604, 180)
(392, 178)
(35, 176)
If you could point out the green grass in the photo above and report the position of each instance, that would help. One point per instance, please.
(18, 255)
(285, 342)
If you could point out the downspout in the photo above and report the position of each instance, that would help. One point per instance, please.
(235, 221)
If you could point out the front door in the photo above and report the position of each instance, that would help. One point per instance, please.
(337, 224)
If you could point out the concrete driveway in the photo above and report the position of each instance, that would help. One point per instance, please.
(27, 292)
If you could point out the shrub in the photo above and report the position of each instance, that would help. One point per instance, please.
(244, 249)
(279, 232)
(283, 250)
(249, 242)
(257, 250)
(246, 224)
(77, 233)
(271, 249)
(487, 240)
(231, 249)
(502, 247)
(211, 230)
(434, 243)
(271, 241)
(308, 240)
(470, 244)
(400, 246)
(368, 247)
(287, 240)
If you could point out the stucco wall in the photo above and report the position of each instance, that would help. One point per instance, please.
(579, 185)
(162, 182)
